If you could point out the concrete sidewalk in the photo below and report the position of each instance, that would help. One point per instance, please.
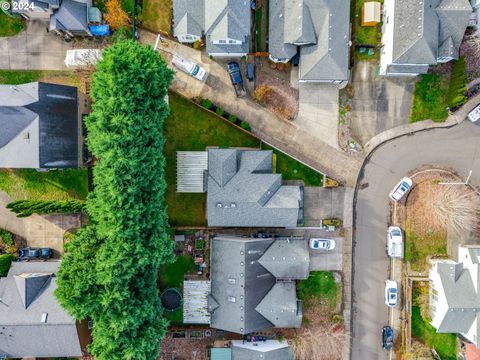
(303, 144)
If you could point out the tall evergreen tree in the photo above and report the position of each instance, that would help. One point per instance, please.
(127, 208)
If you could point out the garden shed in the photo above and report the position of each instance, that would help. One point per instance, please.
(371, 13)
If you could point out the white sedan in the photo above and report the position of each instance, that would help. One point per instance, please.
(391, 293)
(474, 115)
(322, 244)
(395, 242)
(401, 189)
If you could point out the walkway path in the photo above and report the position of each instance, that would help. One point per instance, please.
(290, 137)
(38, 231)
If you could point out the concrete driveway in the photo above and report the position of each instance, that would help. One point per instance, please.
(331, 260)
(457, 148)
(33, 49)
(380, 103)
(323, 203)
(318, 111)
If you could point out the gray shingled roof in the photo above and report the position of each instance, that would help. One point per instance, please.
(243, 292)
(243, 192)
(325, 28)
(71, 16)
(263, 350)
(425, 31)
(293, 252)
(22, 334)
(56, 107)
(218, 19)
(188, 17)
(462, 298)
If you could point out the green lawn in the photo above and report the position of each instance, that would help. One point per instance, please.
(171, 275)
(319, 285)
(366, 35)
(19, 77)
(430, 98)
(51, 185)
(10, 26)
(444, 344)
(258, 22)
(293, 170)
(157, 15)
(189, 127)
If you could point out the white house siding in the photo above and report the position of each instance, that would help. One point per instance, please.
(386, 56)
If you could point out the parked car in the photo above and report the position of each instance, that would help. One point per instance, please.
(391, 293)
(236, 77)
(322, 244)
(28, 253)
(250, 72)
(401, 189)
(387, 337)
(190, 68)
(474, 115)
(395, 242)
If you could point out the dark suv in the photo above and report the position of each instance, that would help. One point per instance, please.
(28, 253)
(387, 337)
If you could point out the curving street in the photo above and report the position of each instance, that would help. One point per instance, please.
(457, 148)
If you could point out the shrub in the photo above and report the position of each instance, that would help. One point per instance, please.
(262, 93)
(25, 208)
(232, 118)
(219, 111)
(6, 238)
(207, 104)
(5, 262)
(458, 84)
(197, 45)
(245, 125)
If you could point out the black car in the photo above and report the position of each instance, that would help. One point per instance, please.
(28, 253)
(387, 337)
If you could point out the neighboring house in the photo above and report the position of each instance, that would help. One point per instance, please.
(242, 191)
(455, 294)
(35, 9)
(39, 125)
(66, 17)
(417, 34)
(253, 283)
(224, 23)
(32, 322)
(71, 18)
(317, 30)
(475, 18)
(261, 350)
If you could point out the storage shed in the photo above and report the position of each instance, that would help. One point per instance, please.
(371, 13)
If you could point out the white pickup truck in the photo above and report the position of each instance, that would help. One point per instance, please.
(190, 68)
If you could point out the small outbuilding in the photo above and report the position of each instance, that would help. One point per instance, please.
(371, 13)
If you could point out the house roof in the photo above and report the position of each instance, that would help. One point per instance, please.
(462, 299)
(294, 252)
(426, 30)
(218, 19)
(71, 16)
(263, 350)
(243, 191)
(23, 334)
(321, 28)
(245, 297)
(55, 107)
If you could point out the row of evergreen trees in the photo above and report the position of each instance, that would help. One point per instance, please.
(109, 270)
(25, 208)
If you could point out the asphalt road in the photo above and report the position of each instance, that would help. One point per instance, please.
(457, 148)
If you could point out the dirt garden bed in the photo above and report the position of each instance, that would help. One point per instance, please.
(434, 212)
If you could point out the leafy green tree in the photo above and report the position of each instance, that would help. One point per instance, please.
(127, 208)
(25, 208)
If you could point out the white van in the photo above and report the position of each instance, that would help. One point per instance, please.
(78, 58)
(190, 68)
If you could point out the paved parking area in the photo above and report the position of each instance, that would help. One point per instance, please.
(330, 260)
(33, 49)
(323, 203)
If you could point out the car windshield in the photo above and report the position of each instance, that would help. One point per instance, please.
(405, 186)
(396, 232)
(195, 70)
